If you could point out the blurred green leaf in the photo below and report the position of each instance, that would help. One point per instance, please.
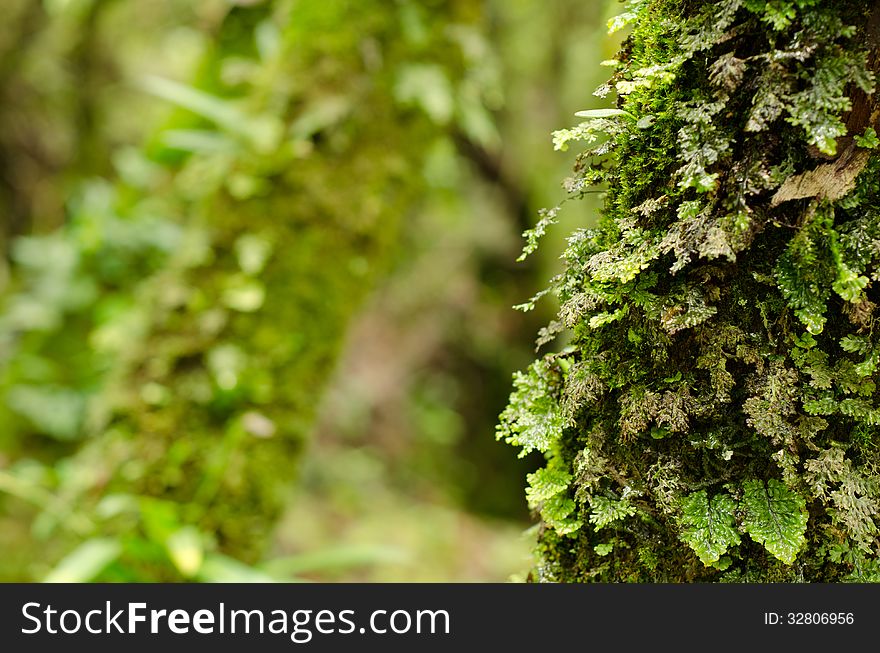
(261, 131)
(334, 559)
(55, 411)
(320, 114)
(252, 252)
(602, 113)
(186, 550)
(427, 86)
(218, 568)
(85, 562)
(159, 519)
(269, 40)
(218, 110)
(198, 140)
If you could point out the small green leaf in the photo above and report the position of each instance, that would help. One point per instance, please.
(807, 341)
(601, 319)
(603, 549)
(849, 285)
(709, 525)
(533, 420)
(723, 563)
(869, 141)
(658, 432)
(775, 517)
(606, 511)
(547, 492)
(617, 23)
(557, 512)
(546, 483)
(855, 344)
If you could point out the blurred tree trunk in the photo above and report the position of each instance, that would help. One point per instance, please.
(286, 227)
(211, 411)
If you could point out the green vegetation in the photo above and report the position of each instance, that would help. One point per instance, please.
(256, 270)
(171, 341)
(257, 259)
(720, 385)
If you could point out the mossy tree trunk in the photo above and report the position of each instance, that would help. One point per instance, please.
(222, 392)
(715, 417)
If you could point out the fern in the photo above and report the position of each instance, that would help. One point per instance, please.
(548, 492)
(708, 525)
(775, 517)
(533, 420)
(607, 511)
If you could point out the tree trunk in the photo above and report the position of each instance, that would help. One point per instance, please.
(716, 415)
(288, 169)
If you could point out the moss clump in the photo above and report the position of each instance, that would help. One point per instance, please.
(716, 415)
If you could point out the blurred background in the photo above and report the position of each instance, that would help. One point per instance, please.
(257, 270)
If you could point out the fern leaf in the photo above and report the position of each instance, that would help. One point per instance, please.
(775, 517)
(709, 525)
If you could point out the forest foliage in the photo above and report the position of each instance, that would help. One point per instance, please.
(163, 356)
(720, 384)
(212, 219)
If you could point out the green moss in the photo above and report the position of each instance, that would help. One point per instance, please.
(719, 398)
